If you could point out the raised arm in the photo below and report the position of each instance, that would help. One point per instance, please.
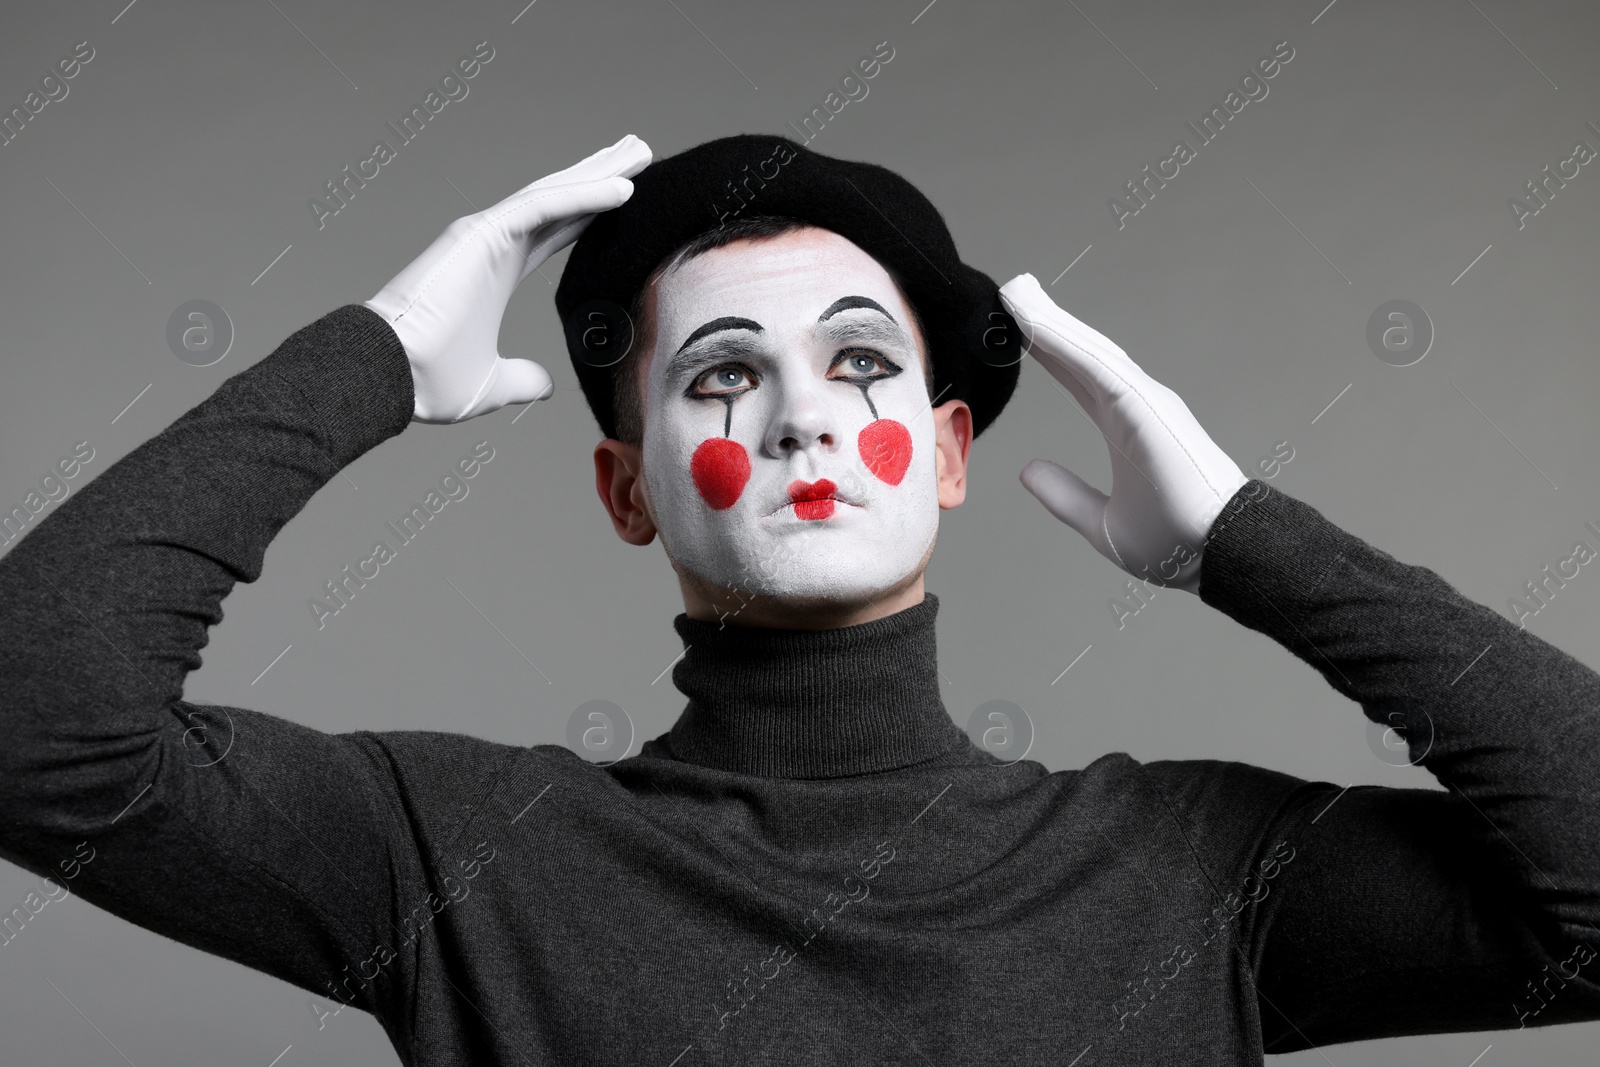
(1396, 911)
(1413, 911)
(233, 831)
(271, 843)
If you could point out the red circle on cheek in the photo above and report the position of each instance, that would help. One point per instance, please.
(720, 467)
(885, 447)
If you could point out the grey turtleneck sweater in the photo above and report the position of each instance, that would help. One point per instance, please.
(814, 866)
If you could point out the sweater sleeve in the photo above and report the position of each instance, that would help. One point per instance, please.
(245, 835)
(1409, 911)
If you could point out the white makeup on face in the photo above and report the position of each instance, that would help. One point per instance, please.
(786, 369)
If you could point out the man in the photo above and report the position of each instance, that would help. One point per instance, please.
(814, 865)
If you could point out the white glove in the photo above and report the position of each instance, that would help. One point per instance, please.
(447, 305)
(1169, 480)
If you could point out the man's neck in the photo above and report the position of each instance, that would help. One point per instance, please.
(823, 703)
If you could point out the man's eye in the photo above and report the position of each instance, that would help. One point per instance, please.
(722, 382)
(865, 363)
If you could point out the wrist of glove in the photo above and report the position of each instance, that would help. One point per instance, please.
(1169, 480)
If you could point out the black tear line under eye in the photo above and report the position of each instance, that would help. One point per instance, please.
(865, 383)
(726, 398)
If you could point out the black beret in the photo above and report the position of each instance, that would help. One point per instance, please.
(975, 345)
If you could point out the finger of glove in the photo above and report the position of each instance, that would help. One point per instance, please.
(508, 381)
(1070, 499)
(520, 381)
(552, 238)
(520, 215)
(1073, 352)
(627, 157)
(510, 221)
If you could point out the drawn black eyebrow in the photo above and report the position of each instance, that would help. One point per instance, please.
(848, 302)
(871, 331)
(727, 322)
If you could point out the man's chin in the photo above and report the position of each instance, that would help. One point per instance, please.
(802, 598)
(788, 599)
(811, 611)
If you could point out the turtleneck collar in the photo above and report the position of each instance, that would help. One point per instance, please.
(812, 703)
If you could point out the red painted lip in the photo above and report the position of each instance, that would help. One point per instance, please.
(822, 489)
(813, 500)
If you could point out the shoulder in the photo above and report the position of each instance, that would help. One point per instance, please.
(1218, 806)
(1212, 791)
(1232, 811)
(444, 779)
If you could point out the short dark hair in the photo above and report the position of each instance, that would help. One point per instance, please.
(627, 398)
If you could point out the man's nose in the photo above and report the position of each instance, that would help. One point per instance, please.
(806, 420)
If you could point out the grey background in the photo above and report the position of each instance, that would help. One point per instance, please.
(1381, 161)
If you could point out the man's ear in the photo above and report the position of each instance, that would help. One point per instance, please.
(952, 424)
(619, 479)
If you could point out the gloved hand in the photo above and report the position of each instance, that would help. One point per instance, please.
(1169, 480)
(447, 305)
